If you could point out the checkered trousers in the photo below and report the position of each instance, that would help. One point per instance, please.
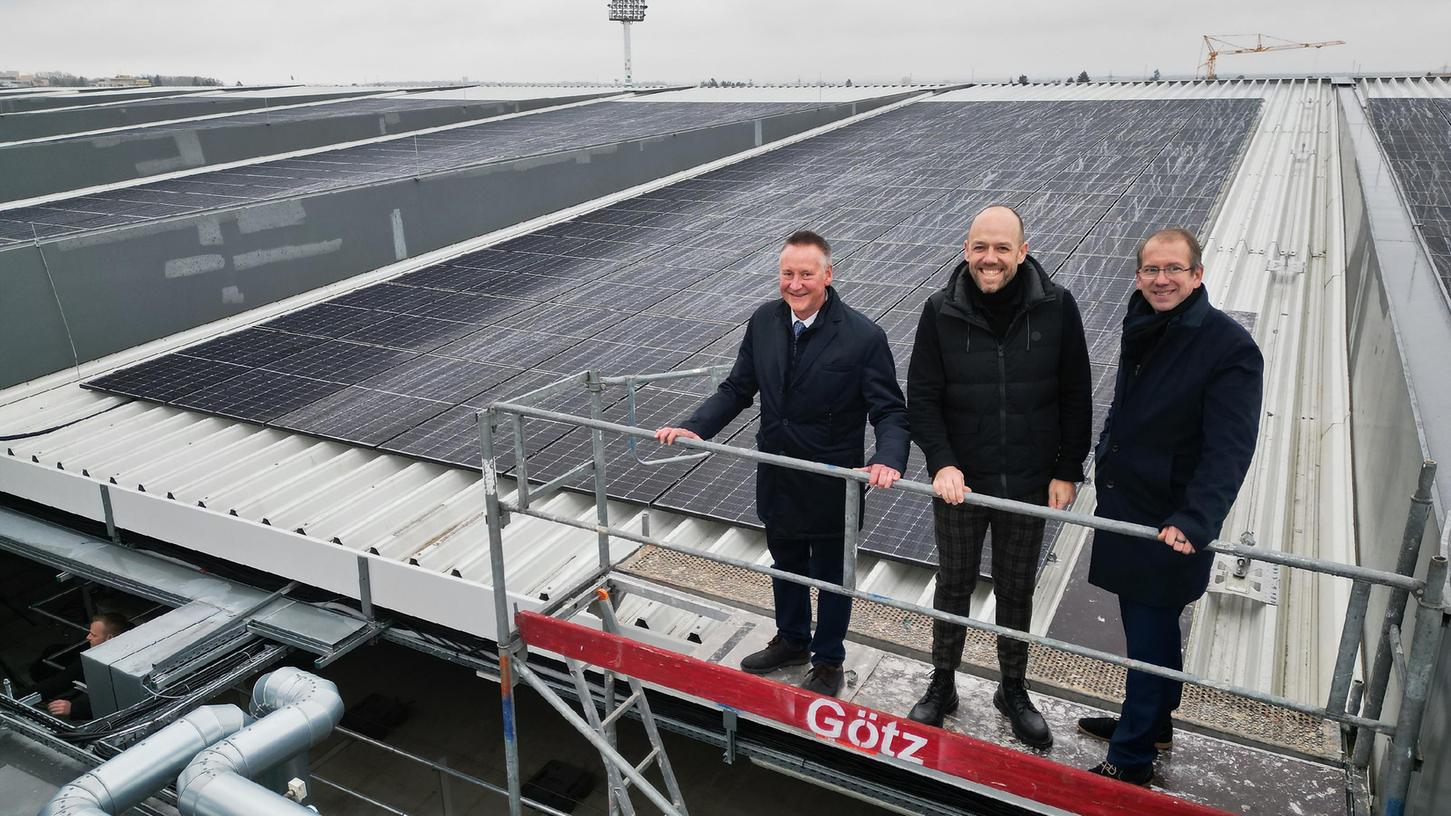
(1017, 543)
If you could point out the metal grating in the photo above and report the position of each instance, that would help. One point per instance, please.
(910, 633)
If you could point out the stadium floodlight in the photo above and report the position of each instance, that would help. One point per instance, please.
(627, 11)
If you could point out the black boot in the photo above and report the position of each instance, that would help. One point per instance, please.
(1028, 725)
(778, 653)
(939, 701)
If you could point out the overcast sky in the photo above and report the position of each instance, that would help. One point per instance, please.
(345, 41)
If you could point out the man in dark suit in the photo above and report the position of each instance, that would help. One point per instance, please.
(1175, 448)
(822, 369)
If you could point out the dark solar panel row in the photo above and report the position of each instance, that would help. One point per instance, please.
(1416, 135)
(296, 111)
(548, 132)
(666, 280)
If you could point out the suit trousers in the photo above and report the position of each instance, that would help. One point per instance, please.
(819, 558)
(1153, 636)
(1016, 545)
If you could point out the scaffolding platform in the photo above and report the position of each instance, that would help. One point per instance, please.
(1271, 755)
(975, 751)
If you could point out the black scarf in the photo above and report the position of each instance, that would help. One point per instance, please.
(1143, 327)
(999, 307)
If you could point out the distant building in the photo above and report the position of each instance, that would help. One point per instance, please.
(122, 81)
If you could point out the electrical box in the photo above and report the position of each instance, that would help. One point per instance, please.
(115, 671)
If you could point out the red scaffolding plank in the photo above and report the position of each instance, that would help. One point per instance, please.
(854, 727)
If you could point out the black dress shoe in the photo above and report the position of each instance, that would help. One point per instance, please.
(1028, 725)
(825, 679)
(1140, 775)
(1103, 728)
(777, 653)
(939, 700)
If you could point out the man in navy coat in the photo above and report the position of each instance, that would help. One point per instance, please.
(1174, 451)
(822, 370)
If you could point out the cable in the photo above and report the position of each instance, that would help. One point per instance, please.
(29, 434)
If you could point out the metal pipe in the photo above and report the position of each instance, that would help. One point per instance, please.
(597, 447)
(1400, 758)
(1351, 571)
(607, 750)
(443, 769)
(300, 710)
(553, 486)
(626, 379)
(1350, 636)
(850, 534)
(1000, 631)
(1378, 680)
(140, 771)
(631, 391)
(521, 462)
(228, 794)
(359, 796)
(488, 421)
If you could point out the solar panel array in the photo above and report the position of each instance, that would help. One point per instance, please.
(547, 132)
(666, 281)
(1416, 135)
(294, 112)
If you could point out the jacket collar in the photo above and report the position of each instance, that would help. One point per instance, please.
(964, 301)
(824, 330)
(1190, 315)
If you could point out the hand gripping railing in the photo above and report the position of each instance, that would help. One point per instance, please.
(1429, 593)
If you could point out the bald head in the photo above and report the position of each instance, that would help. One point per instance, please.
(995, 213)
(994, 247)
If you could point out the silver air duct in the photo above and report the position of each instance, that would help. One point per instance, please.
(146, 767)
(303, 710)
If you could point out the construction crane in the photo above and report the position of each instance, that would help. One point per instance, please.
(1221, 45)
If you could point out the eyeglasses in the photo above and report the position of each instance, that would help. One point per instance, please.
(1174, 271)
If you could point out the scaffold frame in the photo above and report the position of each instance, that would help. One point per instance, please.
(1054, 785)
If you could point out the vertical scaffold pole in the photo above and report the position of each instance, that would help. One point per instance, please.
(488, 424)
(1400, 759)
(597, 442)
(1350, 637)
(1379, 678)
(850, 534)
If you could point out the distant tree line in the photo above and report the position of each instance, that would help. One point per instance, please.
(61, 79)
(726, 83)
(163, 79)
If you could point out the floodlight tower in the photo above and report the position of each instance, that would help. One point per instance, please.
(626, 12)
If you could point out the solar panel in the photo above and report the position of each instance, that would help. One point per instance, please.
(1416, 135)
(667, 280)
(361, 416)
(168, 378)
(493, 141)
(258, 395)
(626, 478)
(340, 361)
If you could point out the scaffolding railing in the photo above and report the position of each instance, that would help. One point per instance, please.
(1413, 669)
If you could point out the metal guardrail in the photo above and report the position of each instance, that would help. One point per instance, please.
(1429, 593)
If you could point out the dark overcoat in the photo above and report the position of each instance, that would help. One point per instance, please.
(845, 376)
(1175, 448)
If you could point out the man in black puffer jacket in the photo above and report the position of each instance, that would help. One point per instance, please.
(999, 398)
